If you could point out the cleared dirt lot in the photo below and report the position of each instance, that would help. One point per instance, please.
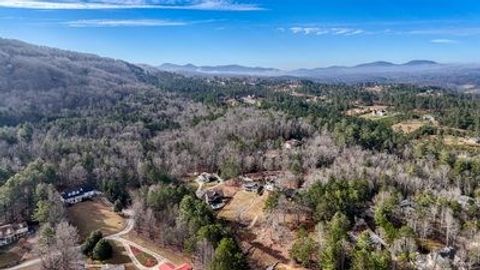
(94, 215)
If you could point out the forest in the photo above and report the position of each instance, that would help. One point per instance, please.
(366, 195)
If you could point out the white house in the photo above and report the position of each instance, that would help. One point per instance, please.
(12, 232)
(78, 194)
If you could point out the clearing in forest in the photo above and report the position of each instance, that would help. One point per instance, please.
(244, 207)
(409, 126)
(89, 216)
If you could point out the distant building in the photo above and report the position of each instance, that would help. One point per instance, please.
(429, 118)
(208, 178)
(270, 186)
(250, 99)
(79, 194)
(12, 232)
(290, 144)
(214, 199)
(437, 260)
(379, 112)
(251, 187)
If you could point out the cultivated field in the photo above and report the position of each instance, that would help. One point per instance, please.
(94, 215)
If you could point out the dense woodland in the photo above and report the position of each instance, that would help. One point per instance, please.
(134, 133)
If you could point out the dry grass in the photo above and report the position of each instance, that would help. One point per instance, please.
(9, 257)
(409, 126)
(430, 244)
(244, 207)
(174, 257)
(460, 141)
(17, 252)
(120, 255)
(94, 215)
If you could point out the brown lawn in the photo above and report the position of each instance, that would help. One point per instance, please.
(174, 257)
(17, 252)
(9, 257)
(244, 207)
(409, 126)
(94, 215)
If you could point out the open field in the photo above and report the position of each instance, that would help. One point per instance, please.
(9, 257)
(175, 258)
(18, 252)
(244, 207)
(409, 126)
(94, 215)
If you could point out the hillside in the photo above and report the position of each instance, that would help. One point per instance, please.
(35, 80)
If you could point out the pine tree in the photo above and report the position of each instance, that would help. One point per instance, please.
(102, 250)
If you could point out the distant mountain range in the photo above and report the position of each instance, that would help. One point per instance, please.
(225, 69)
(245, 70)
(424, 72)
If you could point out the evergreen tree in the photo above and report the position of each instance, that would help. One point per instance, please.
(92, 240)
(228, 256)
(102, 250)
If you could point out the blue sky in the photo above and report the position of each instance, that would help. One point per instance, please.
(274, 33)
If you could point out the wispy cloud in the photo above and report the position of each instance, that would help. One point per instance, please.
(219, 5)
(124, 23)
(344, 31)
(443, 41)
(452, 31)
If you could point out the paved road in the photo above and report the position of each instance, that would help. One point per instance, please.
(114, 237)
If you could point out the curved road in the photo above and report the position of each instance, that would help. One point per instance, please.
(114, 237)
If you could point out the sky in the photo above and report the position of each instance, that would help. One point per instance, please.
(284, 34)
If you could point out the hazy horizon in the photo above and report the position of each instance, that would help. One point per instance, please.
(290, 35)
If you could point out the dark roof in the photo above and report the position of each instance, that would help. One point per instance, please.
(76, 191)
(214, 196)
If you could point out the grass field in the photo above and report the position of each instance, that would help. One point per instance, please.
(244, 207)
(173, 257)
(94, 215)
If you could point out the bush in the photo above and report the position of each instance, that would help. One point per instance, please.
(102, 250)
(117, 206)
(91, 242)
